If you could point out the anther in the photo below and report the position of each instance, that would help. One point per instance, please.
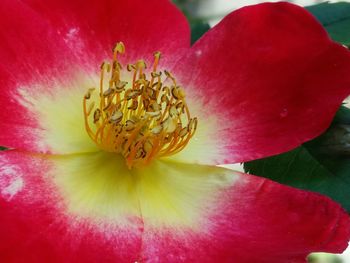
(106, 66)
(108, 92)
(134, 105)
(141, 64)
(130, 67)
(142, 119)
(88, 93)
(156, 74)
(97, 115)
(116, 117)
(119, 48)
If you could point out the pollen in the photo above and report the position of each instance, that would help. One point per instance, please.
(138, 113)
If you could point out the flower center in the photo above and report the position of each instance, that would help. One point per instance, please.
(142, 119)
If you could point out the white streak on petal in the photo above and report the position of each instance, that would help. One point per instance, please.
(10, 182)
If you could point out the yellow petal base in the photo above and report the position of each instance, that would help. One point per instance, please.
(99, 186)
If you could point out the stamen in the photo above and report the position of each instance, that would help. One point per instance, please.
(141, 120)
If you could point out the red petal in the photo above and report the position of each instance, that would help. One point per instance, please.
(271, 76)
(45, 117)
(144, 27)
(36, 227)
(46, 44)
(254, 220)
(30, 52)
(190, 213)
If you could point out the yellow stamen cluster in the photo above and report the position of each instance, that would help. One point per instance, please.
(142, 119)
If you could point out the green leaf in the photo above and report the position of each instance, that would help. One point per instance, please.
(342, 116)
(198, 25)
(321, 165)
(302, 169)
(198, 29)
(335, 17)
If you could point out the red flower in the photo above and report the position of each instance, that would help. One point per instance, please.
(263, 81)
